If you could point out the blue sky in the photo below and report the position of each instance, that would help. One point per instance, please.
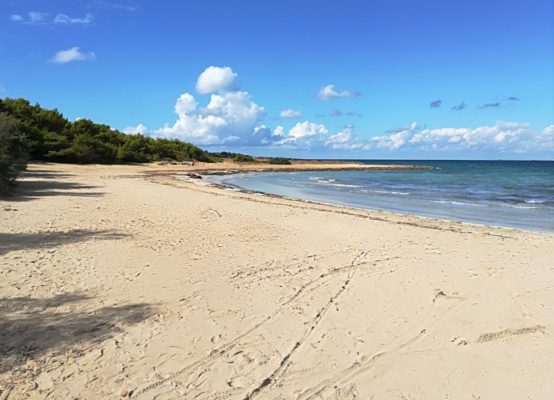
(348, 79)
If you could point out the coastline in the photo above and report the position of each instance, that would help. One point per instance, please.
(227, 168)
(124, 278)
(193, 177)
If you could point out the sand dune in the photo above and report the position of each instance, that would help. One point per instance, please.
(124, 281)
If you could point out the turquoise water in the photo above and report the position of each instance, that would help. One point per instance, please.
(518, 194)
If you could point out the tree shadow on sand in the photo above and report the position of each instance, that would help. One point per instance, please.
(31, 327)
(45, 174)
(43, 183)
(40, 240)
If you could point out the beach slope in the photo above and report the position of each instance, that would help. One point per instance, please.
(124, 281)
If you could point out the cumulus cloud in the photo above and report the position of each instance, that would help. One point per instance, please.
(343, 140)
(215, 79)
(139, 129)
(328, 92)
(303, 135)
(230, 116)
(435, 103)
(501, 137)
(67, 20)
(394, 140)
(72, 54)
(546, 138)
(459, 107)
(307, 129)
(16, 17)
(279, 131)
(290, 113)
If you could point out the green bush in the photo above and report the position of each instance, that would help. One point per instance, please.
(51, 137)
(279, 160)
(86, 150)
(13, 152)
(243, 158)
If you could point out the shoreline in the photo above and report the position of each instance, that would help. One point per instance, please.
(126, 282)
(229, 168)
(193, 178)
(375, 210)
(427, 222)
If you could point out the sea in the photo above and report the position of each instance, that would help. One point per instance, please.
(514, 194)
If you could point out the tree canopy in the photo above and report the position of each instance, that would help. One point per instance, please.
(51, 137)
(13, 152)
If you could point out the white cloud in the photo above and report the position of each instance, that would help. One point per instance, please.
(33, 18)
(307, 129)
(279, 131)
(72, 54)
(41, 18)
(329, 92)
(503, 137)
(545, 139)
(66, 19)
(290, 114)
(342, 140)
(302, 135)
(139, 129)
(215, 79)
(36, 17)
(395, 140)
(230, 116)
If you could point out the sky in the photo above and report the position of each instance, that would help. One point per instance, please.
(306, 78)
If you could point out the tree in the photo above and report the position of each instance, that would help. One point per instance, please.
(13, 152)
(86, 150)
(51, 137)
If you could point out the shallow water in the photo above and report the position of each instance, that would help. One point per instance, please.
(518, 194)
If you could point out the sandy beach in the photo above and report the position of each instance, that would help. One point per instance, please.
(140, 282)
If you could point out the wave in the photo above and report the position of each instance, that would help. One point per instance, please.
(344, 185)
(522, 207)
(385, 192)
(331, 182)
(390, 192)
(458, 203)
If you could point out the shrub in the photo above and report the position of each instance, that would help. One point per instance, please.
(50, 136)
(243, 158)
(13, 152)
(279, 160)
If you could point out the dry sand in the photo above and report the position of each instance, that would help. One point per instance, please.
(121, 281)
